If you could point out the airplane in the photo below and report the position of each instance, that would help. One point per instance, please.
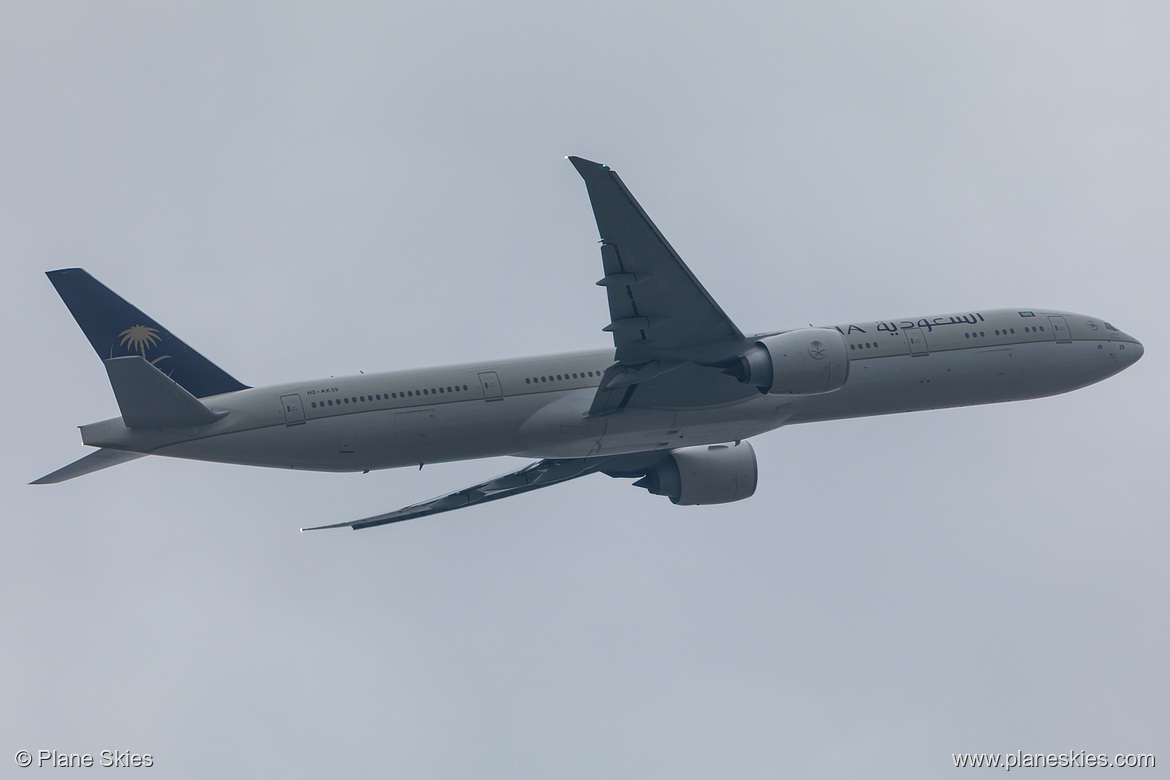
(671, 405)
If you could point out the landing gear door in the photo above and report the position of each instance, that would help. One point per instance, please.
(294, 413)
(491, 386)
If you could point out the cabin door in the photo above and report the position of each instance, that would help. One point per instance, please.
(294, 413)
(1060, 329)
(491, 386)
(916, 339)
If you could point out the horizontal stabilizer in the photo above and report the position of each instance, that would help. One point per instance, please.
(94, 461)
(149, 398)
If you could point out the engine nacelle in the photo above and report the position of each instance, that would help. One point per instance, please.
(801, 362)
(715, 474)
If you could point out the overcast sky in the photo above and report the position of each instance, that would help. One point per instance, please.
(302, 191)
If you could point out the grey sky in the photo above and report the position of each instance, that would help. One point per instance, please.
(302, 191)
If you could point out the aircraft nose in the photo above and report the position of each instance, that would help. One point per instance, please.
(1136, 352)
(1130, 352)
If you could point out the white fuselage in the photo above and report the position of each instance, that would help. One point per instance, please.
(537, 407)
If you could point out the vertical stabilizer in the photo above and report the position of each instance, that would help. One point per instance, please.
(116, 329)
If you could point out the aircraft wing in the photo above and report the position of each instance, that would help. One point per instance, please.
(535, 475)
(661, 318)
(657, 307)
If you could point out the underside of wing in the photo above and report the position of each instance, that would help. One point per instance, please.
(713, 474)
(661, 317)
(543, 473)
(657, 307)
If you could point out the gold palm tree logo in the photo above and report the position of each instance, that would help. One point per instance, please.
(139, 338)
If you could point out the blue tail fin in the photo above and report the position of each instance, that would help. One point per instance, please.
(115, 328)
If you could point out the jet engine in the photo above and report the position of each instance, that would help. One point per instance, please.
(715, 474)
(800, 362)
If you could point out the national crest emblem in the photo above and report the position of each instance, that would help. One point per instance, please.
(141, 339)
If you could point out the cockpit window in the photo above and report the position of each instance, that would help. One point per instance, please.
(1110, 327)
